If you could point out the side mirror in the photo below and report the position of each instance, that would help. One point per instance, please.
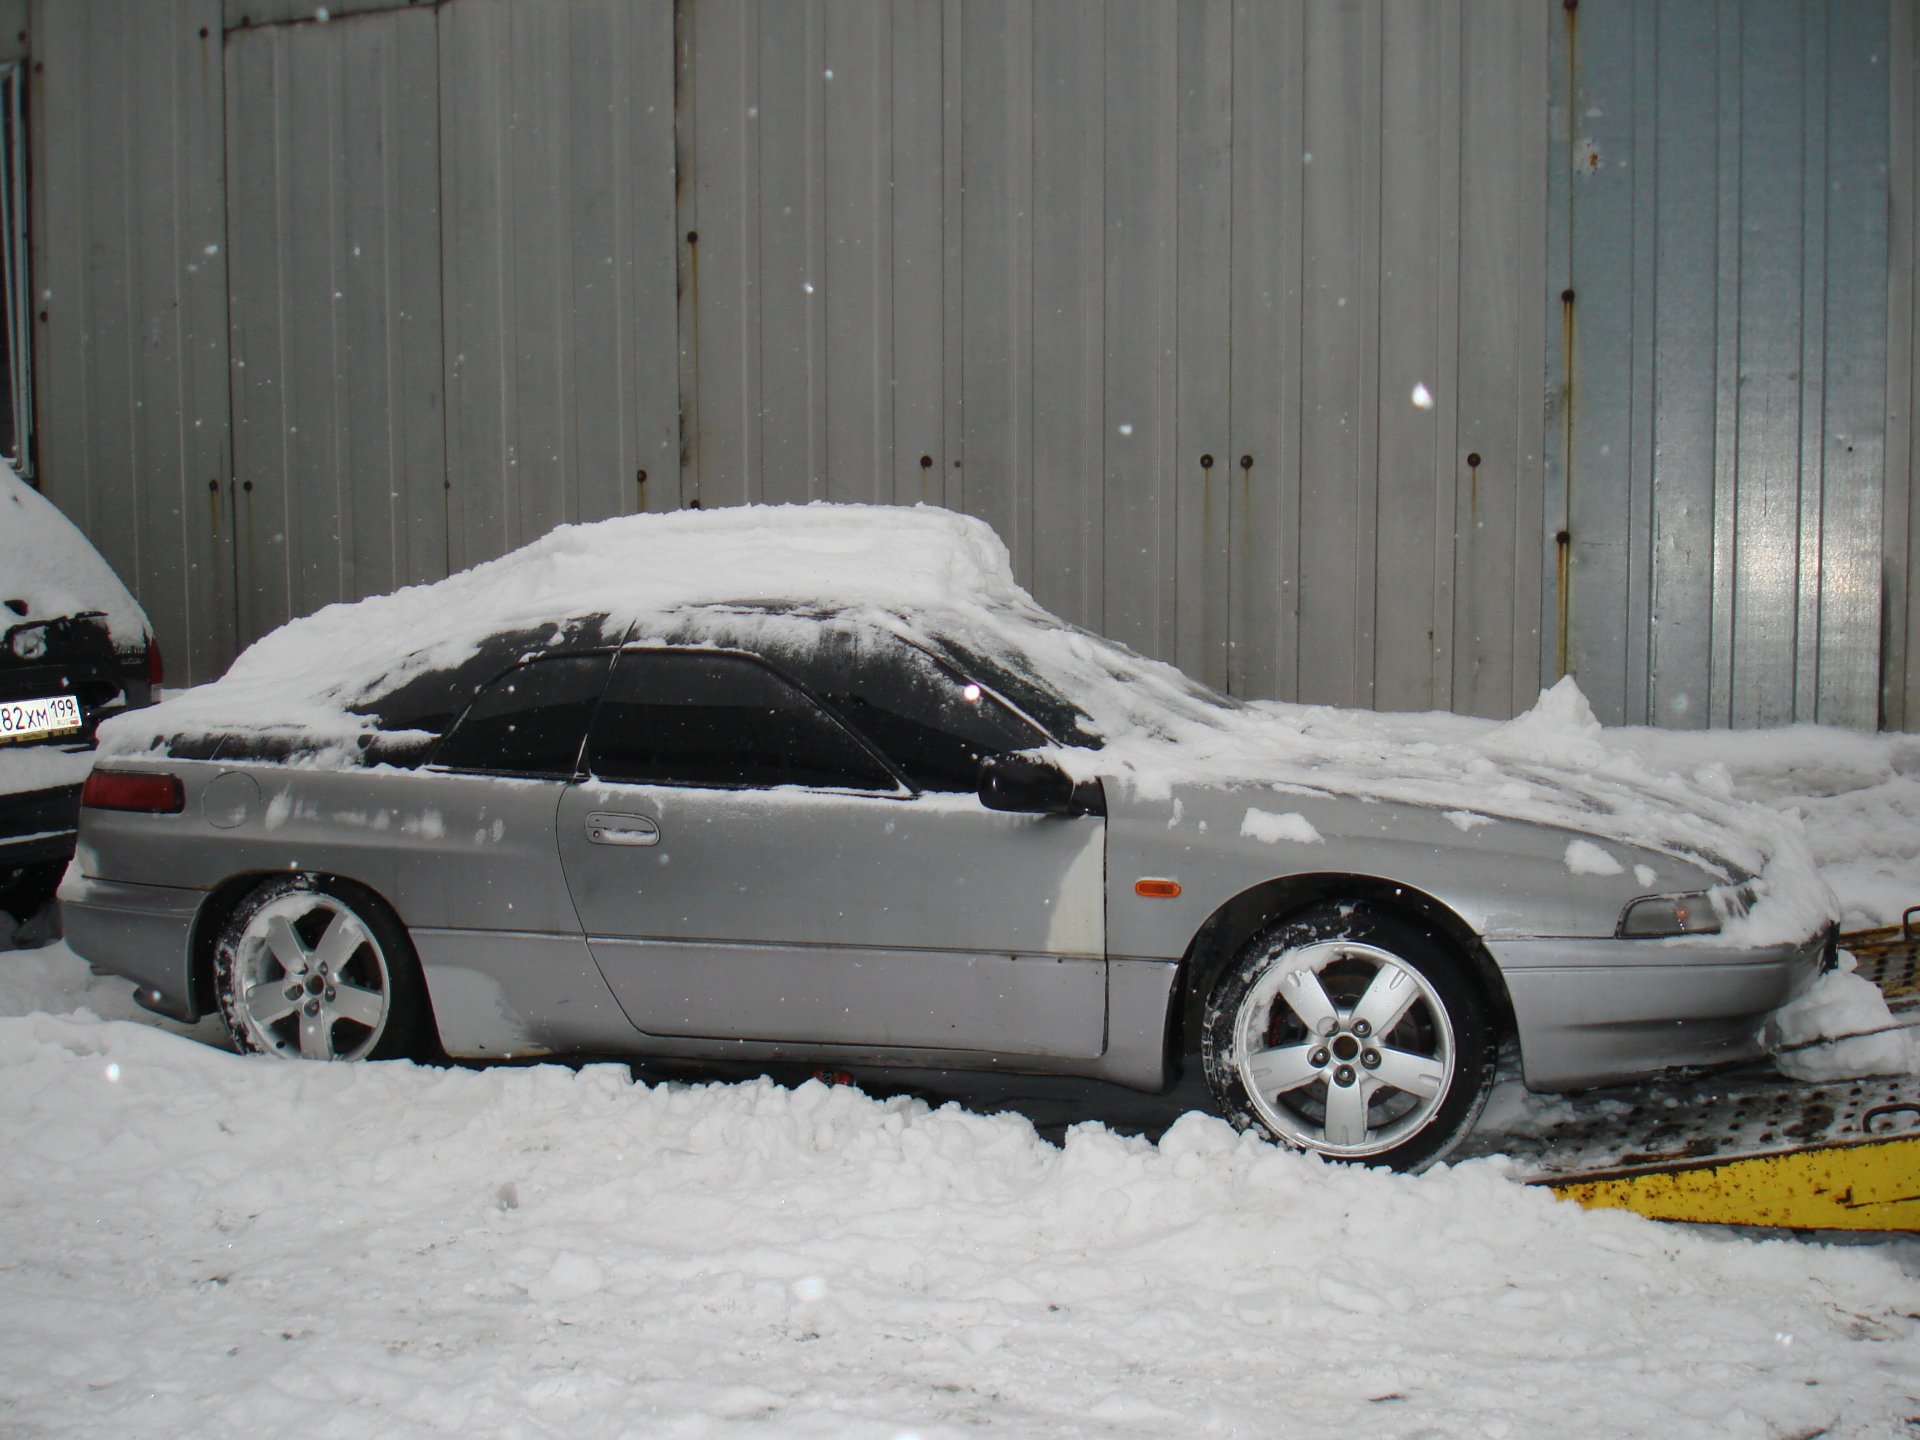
(1030, 785)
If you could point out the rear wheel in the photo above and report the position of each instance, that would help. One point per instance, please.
(1354, 1032)
(312, 968)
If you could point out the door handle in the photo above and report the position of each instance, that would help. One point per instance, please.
(607, 829)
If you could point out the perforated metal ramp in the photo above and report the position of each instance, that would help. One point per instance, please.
(1708, 1118)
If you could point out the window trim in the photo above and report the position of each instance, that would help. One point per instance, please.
(901, 791)
(439, 767)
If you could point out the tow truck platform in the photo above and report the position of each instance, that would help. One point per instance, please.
(1751, 1147)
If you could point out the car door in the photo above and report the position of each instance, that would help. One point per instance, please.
(746, 866)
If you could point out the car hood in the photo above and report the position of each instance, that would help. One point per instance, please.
(1550, 794)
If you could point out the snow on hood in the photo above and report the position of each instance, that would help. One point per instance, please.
(48, 570)
(928, 572)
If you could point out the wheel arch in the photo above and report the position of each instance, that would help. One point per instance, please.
(1228, 929)
(221, 902)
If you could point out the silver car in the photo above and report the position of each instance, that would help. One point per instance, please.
(753, 810)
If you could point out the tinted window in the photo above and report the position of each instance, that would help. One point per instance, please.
(530, 721)
(933, 723)
(702, 717)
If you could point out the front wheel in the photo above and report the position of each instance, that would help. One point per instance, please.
(1353, 1032)
(312, 968)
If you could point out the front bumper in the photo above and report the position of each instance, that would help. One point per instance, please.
(1601, 1011)
(143, 932)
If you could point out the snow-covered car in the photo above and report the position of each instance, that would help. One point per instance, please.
(75, 648)
(824, 784)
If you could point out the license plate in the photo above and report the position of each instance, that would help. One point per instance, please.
(38, 719)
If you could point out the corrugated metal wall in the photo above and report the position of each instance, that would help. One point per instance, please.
(557, 193)
(1724, 174)
(129, 262)
(1150, 287)
(333, 156)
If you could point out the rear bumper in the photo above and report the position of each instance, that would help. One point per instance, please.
(143, 932)
(1597, 1012)
(37, 826)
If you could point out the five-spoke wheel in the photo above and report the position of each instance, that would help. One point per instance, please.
(312, 969)
(1353, 1032)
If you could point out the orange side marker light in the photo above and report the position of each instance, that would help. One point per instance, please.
(1157, 889)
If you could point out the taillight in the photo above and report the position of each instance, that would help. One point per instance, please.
(156, 671)
(133, 790)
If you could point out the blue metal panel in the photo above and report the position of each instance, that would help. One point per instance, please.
(1726, 187)
(1900, 674)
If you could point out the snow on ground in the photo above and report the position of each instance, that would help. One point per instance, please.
(199, 1244)
(192, 1243)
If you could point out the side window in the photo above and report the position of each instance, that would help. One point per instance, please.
(530, 721)
(931, 722)
(704, 717)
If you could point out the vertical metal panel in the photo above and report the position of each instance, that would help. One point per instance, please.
(1850, 586)
(1417, 409)
(1499, 359)
(1900, 676)
(1600, 494)
(1069, 307)
(996, 119)
(559, 262)
(918, 248)
(1770, 317)
(1200, 468)
(130, 266)
(1141, 306)
(334, 270)
(858, 298)
(817, 306)
(725, 269)
(793, 280)
(1339, 471)
(1685, 389)
(1727, 376)
(1728, 253)
(1268, 361)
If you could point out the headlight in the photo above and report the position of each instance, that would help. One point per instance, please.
(1699, 912)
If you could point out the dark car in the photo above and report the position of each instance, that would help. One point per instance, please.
(75, 648)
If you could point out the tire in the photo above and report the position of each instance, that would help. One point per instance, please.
(310, 967)
(1354, 1032)
(26, 890)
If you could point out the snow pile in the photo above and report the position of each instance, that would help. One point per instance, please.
(945, 578)
(200, 1244)
(1857, 798)
(1841, 1028)
(1266, 826)
(49, 571)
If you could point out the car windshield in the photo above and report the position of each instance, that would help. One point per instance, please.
(1080, 687)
